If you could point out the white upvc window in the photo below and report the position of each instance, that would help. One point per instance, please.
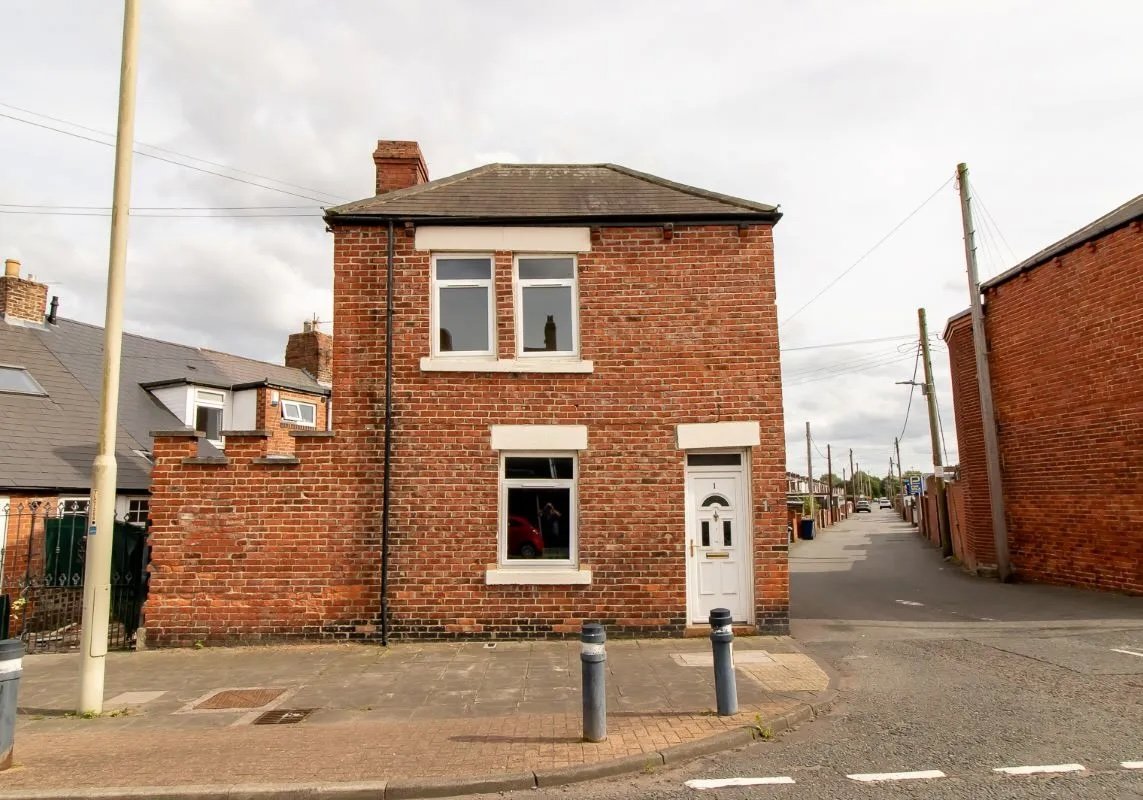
(538, 509)
(299, 412)
(547, 306)
(463, 305)
(208, 414)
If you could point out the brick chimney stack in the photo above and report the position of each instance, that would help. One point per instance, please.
(312, 351)
(21, 298)
(399, 165)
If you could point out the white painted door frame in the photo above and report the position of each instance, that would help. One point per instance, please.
(742, 526)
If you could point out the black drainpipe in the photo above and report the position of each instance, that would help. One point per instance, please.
(388, 435)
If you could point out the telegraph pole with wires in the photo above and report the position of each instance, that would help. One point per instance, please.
(900, 474)
(852, 474)
(929, 390)
(984, 383)
(829, 484)
(810, 469)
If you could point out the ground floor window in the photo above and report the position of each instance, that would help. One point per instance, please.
(538, 508)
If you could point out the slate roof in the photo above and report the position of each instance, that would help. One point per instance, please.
(50, 442)
(553, 192)
(1126, 213)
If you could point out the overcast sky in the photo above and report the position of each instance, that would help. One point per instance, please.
(850, 115)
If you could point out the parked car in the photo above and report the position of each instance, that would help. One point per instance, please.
(862, 505)
(883, 502)
(524, 540)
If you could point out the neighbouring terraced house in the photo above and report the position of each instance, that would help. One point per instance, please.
(557, 399)
(50, 382)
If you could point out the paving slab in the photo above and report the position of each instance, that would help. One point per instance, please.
(447, 717)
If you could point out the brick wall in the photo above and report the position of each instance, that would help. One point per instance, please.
(22, 299)
(268, 417)
(680, 330)
(1067, 373)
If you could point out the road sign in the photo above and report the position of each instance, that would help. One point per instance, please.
(913, 484)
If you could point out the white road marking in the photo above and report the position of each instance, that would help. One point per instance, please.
(721, 783)
(1131, 764)
(1041, 769)
(134, 698)
(909, 603)
(874, 777)
(1126, 652)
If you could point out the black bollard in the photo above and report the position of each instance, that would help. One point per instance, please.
(593, 659)
(722, 643)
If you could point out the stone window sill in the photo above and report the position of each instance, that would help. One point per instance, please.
(495, 576)
(554, 365)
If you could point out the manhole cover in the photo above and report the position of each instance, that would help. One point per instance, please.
(286, 716)
(240, 698)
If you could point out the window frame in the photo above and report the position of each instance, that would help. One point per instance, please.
(132, 510)
(298, 403)
(518, 286)
(504, 484)
(37, 390)
(198, 401)
(435, 285)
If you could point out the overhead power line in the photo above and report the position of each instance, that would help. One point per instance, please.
(845, 371)
(174, 152)
(848, 344)
(171, 160)
(153, 208)
(912, 388)
(159, 216)
(867, 253)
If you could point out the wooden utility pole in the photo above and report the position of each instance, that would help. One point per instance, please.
(810, 470)
(859, 483)
(829, 482)
(852, 474)
(900, 474)
(930, 392)
(984, 383)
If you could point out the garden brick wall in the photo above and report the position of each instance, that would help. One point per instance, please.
(1067, 373)
(680, 330)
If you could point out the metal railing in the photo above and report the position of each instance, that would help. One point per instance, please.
(41, 574)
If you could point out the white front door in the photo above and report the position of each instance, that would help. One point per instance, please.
(719, 562)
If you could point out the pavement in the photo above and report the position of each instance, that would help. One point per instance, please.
(950, 686)
(411, 720)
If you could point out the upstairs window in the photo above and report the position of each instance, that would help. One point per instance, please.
(17, 380)
(208, 408)
(547, 306)
(297, 412)
(463, 311)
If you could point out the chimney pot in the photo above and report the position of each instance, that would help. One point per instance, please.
(400, 164)
(11, 268)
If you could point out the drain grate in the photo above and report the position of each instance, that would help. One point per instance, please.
(286, 716)
(240, 698)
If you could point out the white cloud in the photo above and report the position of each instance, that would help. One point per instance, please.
(849, 115)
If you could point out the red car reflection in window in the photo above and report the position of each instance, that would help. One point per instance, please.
(524, 540)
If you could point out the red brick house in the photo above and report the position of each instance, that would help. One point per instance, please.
(557, 398)
(1064, 330)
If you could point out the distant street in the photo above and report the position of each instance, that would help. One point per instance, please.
(944, 674)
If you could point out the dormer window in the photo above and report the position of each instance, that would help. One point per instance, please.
(208, 407)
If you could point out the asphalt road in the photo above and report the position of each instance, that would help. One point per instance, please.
(940, 671)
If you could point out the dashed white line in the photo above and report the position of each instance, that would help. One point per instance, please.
(722, 783)
(908, 602)
(1040, 769)
(1131, 764)
(876, 777)
(1126, 652)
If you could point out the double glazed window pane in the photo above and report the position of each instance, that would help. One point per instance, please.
(463, 319)
(539, 468)
(464, 287)
(547, 319)
(539, 521)
(209, 420)
(547, 269)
